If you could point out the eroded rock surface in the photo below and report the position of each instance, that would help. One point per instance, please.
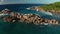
(27, 18)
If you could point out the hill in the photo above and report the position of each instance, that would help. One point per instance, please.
(54, 6)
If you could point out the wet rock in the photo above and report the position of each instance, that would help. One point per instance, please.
(28, 18)
(6, 19)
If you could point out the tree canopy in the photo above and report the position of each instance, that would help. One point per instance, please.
(55, 6)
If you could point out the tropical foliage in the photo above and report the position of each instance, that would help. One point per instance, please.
(55, 6)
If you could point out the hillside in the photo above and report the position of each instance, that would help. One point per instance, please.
(54, 6)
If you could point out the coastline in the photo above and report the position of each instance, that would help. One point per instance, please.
(38, 8)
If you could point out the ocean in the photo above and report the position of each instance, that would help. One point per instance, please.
(22, 28)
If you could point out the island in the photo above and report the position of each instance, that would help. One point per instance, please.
(26, 18)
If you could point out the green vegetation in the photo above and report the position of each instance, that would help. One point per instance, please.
(54, 6)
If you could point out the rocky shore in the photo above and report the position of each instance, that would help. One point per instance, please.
(27, 18)
(38, 8)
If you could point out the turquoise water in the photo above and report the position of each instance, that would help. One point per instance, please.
(22, 28)
(19, 28)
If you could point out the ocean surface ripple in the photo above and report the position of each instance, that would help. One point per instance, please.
(19, 28)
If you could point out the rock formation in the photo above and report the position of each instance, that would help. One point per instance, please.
(27, 18)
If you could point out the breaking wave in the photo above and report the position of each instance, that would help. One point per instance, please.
(47, 13)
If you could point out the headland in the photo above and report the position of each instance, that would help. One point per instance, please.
(53, 8)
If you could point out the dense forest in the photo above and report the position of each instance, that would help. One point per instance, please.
(54, 6)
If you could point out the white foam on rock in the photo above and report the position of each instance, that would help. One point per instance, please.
(28, 8)
(3, 14)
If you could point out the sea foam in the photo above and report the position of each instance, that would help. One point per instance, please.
(3, 14)
(47, 13)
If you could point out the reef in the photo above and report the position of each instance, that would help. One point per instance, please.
(27, 18)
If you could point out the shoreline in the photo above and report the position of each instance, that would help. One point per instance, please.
(38, 8)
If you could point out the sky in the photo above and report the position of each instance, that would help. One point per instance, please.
(28, 1)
